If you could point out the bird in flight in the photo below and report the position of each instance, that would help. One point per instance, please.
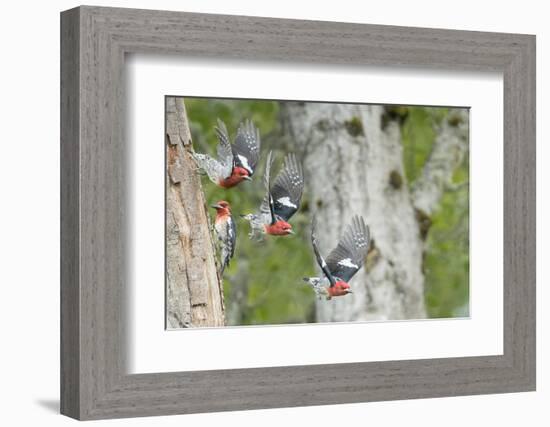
(343, 262)
(236, 162)
(282, 199)
(226, 231)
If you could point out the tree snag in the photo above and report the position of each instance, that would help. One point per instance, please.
(194, 289)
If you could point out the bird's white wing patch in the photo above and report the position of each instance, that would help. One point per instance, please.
(347, 263)
(286, 202)
(244, 162)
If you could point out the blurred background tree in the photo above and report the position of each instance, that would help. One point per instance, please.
(263, 282)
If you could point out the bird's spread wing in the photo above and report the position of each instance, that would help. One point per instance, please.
(348, 257)
(270, 206)
(318, 256)
(286, 191)
(225, 153)
(246, 148)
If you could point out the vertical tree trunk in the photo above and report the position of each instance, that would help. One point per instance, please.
(353, 164)
(194, 289)
(353, 161)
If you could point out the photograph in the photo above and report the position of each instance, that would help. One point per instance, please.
(285, 212)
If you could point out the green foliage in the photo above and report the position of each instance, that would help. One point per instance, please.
(263, 283)
(418, 136)
(446, 261)
(446, 264)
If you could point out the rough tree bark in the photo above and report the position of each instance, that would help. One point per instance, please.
(353, 162)
(194, 289)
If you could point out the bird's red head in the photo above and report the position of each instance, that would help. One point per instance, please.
(339, 289)
(280, 228)
(238, 175)
(241, 172)
(222, 208)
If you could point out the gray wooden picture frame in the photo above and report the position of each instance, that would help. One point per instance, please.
(94, 41)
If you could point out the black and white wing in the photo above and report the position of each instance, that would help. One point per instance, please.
(228, 240)
(318, 256)
(232, 234)
(286, 191)
(225, 152)
(246, 147)
(270, 205)
(348, 257)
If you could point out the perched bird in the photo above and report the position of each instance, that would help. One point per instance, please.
(281, 201)
(236, 162)
(226, 231)
(343, 262)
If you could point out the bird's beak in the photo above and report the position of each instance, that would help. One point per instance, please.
(247, 178)
(350, 291)
(291, 232)
(216, 206)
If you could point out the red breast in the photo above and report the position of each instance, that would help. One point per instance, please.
(222, 215)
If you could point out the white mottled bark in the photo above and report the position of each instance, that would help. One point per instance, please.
(194, 289)
(353, 166)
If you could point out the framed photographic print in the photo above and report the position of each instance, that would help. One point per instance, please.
(261, 213)
(348, 168)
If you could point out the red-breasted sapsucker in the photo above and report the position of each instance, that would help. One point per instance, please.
(226, 231)
(236, 162)
(343, 262)
(282, 199)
